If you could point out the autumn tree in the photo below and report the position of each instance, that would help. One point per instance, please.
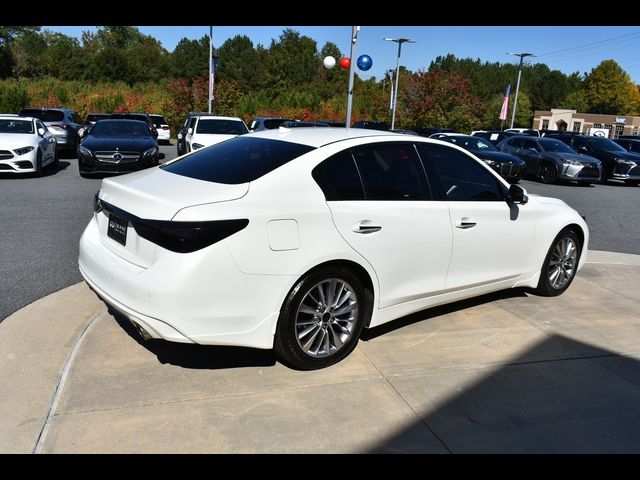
(609, 89)
(440, 98)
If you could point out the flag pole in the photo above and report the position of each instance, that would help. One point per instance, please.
(210, 65)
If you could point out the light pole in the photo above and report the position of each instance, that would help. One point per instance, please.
(515, 100)
(211, 66)
(399, 41)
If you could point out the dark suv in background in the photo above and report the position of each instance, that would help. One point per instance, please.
(617, 163)
(63, 123)
(267, 123)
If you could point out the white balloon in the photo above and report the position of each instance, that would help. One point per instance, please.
(329, 62)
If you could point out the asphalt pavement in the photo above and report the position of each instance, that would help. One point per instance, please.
(41, 221)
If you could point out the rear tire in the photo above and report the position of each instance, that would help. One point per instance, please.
(321, 319)
(560, 265)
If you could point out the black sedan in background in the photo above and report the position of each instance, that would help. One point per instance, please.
(117, 146)
(508, 166)
(551, 160)
(617, 163)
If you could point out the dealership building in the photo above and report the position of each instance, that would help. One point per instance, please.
(573, 121)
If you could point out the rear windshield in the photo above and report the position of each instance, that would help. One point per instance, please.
(158, 120)
(16, 126)
(239, 160)
(45, 116)
(115, 128)
(223, 127)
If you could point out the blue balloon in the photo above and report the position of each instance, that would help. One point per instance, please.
(364, 62)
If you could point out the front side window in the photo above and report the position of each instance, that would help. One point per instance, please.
(530, 145)
(338, 178)
(461, 178)
(391, 172)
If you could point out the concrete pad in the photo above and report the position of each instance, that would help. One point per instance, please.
(565, 406)
(35, 343)
(481, 334)
(333, 418)
(598, 314)
(113, 370)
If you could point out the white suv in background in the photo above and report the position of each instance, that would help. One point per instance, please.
(164, 131)
(209, 130)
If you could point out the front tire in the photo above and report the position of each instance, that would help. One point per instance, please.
(321, 319)
(548, 173)
(38, 172)
(560, 265)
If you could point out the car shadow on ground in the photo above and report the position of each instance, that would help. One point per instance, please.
(371, 333)
(202, 357)
(581, 403)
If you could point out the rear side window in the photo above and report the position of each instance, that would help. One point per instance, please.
(45, 116)
(157, 120)
(461, 177)
(391, 172)
(238, 160)
(338, 178)
(274, 123)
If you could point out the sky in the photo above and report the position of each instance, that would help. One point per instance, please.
(568, 49)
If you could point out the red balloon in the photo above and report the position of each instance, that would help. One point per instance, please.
(345, 62)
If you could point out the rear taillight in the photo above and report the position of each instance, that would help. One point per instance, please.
(180, 237)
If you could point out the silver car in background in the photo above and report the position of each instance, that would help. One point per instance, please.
(63, 123)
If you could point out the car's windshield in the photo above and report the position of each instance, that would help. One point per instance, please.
(94, 117)
(604, 144)
(16, 126)
(221, 127)
(44, 115)
(555, 146)
(473, 144)
(120, 128)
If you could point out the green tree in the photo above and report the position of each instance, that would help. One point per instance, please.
(238, 63)
(27, 52)
(190, 58)
(108, 64)
(292, 61)
(524, 115)
(576, 100)
(7, 35)
(608, 89)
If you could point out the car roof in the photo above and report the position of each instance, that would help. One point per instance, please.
(319, 136)
(44, 109)
(216, 117)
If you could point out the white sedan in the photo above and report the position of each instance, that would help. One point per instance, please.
(297, 239)
(209, 130)
(26, 145)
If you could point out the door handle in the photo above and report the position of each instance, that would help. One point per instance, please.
(366, 226)
(465, 222)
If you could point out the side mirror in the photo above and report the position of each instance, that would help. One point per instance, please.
(41, 132)
(517, 195)
(190, 131)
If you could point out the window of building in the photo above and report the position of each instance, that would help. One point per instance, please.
(597, 125)
(545, 124)
(461, 177)
(619, 131)
(610, 127)
(391, 172)
(576, 126)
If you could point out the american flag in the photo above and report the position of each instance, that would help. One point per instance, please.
(505, 104)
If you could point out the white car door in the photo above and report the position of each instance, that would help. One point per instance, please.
(393, 222)
(492, 240)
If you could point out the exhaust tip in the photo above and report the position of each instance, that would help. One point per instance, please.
(143, 333)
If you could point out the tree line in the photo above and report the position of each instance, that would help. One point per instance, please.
(119, 68)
